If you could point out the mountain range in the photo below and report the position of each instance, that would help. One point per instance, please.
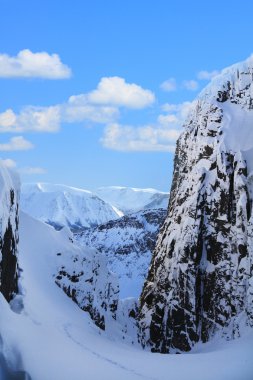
(61, 205)
(78, 296)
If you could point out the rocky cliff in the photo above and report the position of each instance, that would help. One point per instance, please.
(85, 278)
(200, 279)
(9, 199)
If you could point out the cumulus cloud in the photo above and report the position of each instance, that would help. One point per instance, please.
(27, 64)
(16, 143)
(78, 109)
(191, 85)
(169, 85)
(160, 137)
(116, 91)
(178, 112)
(207, 75)
(37, 119)
(98, 106)
(145, 138)
(9, 163)
(167, 119)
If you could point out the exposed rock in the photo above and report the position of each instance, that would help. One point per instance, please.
(200, 278)
(9, 199)
(84, 277)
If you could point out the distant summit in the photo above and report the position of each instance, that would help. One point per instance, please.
(61, 205)
(130, 199)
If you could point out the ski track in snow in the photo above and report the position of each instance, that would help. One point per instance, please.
(104, 358)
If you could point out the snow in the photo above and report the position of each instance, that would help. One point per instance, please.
(127, 242)
(208, 227)
(130, 199)
(46, 334)
(62, 205)
(51, 338)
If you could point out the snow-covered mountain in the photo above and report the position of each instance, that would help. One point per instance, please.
(61, 205)
(128, 243)
(128, 199)
(44, 335)
(200, 282)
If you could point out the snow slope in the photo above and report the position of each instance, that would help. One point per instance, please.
(129, 199)
(61, 205)
(52, 339)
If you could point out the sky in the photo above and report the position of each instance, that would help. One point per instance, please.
(94, 93)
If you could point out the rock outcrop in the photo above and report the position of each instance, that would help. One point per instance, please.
(200, 279)
(84, 277)
(9, 201)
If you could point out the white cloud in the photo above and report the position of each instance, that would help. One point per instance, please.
(16, 143)
(177, 111)
(116, 91)
(191, 85)
(9, 163)
(161, 136)
(169, 85)
(144, 138)
(168, 119)
(7, 119)
(207, 75)
(32, 170)
(27, 64)
(78, 109)
(98, 106)
(37, 119)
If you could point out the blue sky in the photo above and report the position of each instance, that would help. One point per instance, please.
(108, 108)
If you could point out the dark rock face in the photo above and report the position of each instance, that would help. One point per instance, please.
(87, 281)
(201, 275)
(8, 235)
(136, 232)
(9, 277)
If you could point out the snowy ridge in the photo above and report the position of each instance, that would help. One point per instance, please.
(200, 279)
(127, 242)
(128, 199)
(61, 205)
